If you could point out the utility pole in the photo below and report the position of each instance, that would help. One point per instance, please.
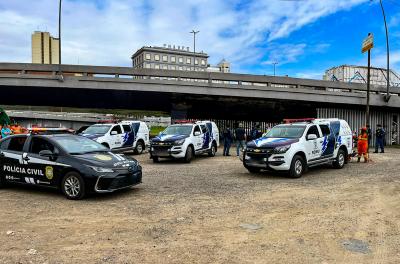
(274, 63)
(194, 47)
(59, 37)
(367, 45)
(387, 97)
(368, 88)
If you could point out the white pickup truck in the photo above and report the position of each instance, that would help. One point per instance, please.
(184, 141)
(126, 135)
(297, 146)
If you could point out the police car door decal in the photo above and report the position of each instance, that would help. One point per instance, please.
(130, 137)
(330, 142)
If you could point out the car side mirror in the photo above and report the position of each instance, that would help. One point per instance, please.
(48, 154)
(113, 133)
(197, 133)
(311, 137)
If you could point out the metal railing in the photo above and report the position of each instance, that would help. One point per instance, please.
(188, 77)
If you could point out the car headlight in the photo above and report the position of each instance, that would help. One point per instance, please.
(101, 169)
(280, 150)
(179, 142)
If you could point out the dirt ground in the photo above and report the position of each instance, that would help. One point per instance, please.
(214, 211)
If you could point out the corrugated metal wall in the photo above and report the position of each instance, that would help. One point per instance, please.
(356, 120)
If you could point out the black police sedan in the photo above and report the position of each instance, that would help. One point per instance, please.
(72, 163)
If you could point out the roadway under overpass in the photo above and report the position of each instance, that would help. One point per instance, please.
(184, 94)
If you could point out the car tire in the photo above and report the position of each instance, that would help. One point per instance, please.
(155, 160)
(139, 147)
(297, 167)
(73, 186)
(189, 154)
(213, 150)
(340, 159)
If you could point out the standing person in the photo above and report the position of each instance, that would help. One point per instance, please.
(254, 133)
(227, 140)
(380, 137)
(362, 145)
(5, 131)
(240, 138)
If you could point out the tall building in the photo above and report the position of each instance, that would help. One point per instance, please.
(358, 74)
(169, 58)
(45, 48)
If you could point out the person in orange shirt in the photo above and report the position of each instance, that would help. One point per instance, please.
(362, 145)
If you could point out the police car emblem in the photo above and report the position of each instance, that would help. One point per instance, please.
(49, 172)
(103, 157)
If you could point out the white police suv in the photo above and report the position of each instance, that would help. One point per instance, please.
(126, 135)
(184, 141)
(296, 146)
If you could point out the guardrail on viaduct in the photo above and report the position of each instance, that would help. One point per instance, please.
(211, 79)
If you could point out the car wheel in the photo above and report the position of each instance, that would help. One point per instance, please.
(340, 159)
(297, 167)
(189, 154)
(139, 148)
(212, 151)
(155, 159)
(73, 186)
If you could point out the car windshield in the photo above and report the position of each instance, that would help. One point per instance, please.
(79, 145)
(178, 130)
(97, 129)
(286, 131)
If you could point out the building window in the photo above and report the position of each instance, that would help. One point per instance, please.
(188, 61)
(180, 59)
(165, 67)
(173, 59)
(157, 66)
(148, 56)
(148, 66)
(203, 62)
(165, 58)
(196, 61)
(180, 68)
(156, 57)
(173, 67)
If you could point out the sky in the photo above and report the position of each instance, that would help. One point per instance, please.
(305, 37)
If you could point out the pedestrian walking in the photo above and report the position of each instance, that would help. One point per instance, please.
(379, 137)
(228, 137)
(362, 145)
(5, 131)
(240, 135)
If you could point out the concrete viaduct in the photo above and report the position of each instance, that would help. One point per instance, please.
(192, 94)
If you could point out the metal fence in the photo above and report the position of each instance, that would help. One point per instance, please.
(356, 120)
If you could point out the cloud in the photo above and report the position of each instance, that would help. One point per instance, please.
(108, 32)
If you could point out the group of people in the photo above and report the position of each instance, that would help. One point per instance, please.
(364, 141)
(240, 136)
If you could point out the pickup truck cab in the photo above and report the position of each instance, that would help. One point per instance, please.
(297, 146)
(184, 141)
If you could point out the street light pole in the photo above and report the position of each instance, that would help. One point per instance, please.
(59, 33)
(274, 63)
(387, 97)
(194, 47)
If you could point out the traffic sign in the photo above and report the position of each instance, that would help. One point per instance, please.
(368, 43)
